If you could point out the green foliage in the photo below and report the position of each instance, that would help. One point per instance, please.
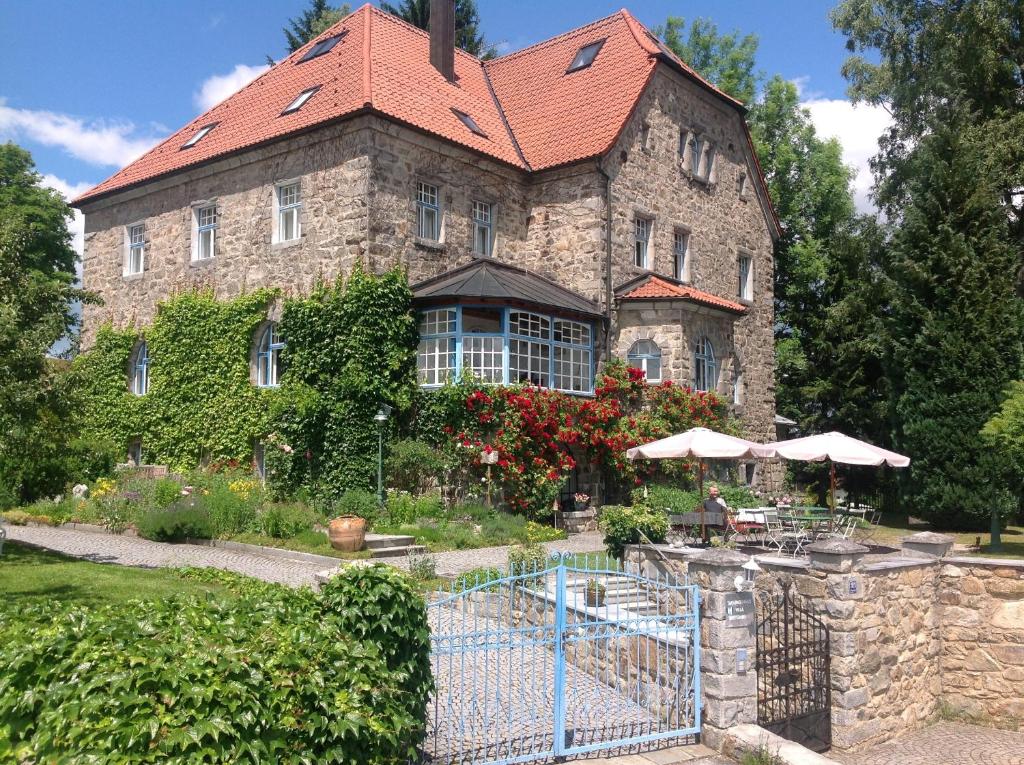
(677, 501)
(527, 559)
(358, 502)
(285, 520)
(403, 507)
(238, 584)
(727, 60)
(422, 568)
(476, 577)
(201, 401)
(623, 525)
(37, 273)
(351, 347)
(413, 466)
(186, 519)
(467, 23)
(313, 21)
(275, 675)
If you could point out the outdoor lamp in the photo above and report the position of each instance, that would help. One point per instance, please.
(750, 571)
(381, 419)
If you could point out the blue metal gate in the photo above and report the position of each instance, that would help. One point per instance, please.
(573, 656)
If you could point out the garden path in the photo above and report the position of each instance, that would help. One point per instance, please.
(133, 551)
(945, 743)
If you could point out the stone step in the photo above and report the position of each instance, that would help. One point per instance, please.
(374, 541)
(397, 551)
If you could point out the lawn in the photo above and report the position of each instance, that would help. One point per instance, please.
(29, 575)
(894, 528)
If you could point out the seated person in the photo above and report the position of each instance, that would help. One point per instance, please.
(714, 503)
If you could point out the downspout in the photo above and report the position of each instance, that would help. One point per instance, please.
(607, 261)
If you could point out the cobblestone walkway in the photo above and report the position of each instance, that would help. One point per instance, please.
(945, 743)
(132, 551)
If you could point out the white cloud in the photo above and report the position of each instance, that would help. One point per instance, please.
(77, 223)
(858, 128)
(98, 142)
(218, 87)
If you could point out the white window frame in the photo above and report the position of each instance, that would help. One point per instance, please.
(300, 100)
(483, 226)
(705, 366)
(745, 284)
(134, 249)
(681, 254)
(428, 202)
(138, 369)
(284, 210)
(642, 354)
(737, 383)
(642, 226)
(201, 229)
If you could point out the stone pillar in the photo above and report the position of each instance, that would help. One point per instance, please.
(929, 543)
(729, 696)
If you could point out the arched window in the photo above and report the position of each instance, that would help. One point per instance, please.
(645, 355)
(268, 357)
(138, 370)
(705, 373)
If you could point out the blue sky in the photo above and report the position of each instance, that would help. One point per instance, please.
(86, 86)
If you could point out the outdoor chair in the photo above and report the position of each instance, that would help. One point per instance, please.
(782, 537)
(843, 529)
(735, 528)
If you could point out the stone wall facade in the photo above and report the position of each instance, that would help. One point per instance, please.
(358, 182)
(910, 637)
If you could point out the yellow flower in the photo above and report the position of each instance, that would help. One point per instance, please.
(104, 487)
(243, 487)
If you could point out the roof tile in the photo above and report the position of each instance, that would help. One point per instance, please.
(656, 288)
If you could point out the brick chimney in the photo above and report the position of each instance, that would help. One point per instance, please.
(442, 37)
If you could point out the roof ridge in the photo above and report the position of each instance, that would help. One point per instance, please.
(367, 60)
(550, 40)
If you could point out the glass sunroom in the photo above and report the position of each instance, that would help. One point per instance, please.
(505, 326)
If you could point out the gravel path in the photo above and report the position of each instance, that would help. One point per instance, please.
(133, 551)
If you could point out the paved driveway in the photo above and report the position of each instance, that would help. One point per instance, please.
(945, 743)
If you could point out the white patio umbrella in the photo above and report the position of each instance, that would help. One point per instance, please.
(836, 447)
(701, 443)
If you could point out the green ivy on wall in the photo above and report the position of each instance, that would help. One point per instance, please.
(350, 347)
(200, 399)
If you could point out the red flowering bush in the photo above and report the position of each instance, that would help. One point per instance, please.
(538, 434)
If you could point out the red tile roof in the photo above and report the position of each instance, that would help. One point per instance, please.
(534, 114)
(655, 288)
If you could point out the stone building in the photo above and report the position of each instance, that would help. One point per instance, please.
(584, 198)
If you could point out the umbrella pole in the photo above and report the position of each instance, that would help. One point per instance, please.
(700, 491)
(832, 482)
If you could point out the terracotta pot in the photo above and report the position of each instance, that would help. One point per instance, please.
(347, 533)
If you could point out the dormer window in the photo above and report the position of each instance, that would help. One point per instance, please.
(300, 100)
(470, 123)
(199, 135)
(322, 47)
(585, 56)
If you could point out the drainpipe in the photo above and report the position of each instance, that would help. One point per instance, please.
(607, 260)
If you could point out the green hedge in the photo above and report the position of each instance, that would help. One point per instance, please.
(272, 676)
(678, 501)
(622, 526)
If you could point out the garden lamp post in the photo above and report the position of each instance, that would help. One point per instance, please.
(381, 418)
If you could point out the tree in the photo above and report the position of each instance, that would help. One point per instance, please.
(311, 22)
(37, 289)
(725, 60)
(948, 175)
(467, 23)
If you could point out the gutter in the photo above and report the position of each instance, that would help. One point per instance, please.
(607, 259)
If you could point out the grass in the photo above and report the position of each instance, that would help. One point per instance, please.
(28, 575)
(315, 542)
(893, 528)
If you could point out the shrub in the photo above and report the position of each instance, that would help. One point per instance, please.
(403, 507)
(623, 525)
(475, 577)
(422, 568)
(414, 466)
(166, 491)
(232, 511)
(183, 520)
(358, 502)
(21, 518)
(284, 521)
(677, 501)
(278, 675)
(527, 559)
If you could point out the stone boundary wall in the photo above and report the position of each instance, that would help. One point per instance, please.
(909, 635)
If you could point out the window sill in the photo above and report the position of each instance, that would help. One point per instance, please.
(133, 277)
(430, 244)
(745, 301)
(275, 246)
(202, 263)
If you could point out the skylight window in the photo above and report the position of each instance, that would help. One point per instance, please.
(300, 100)
(469, 122)
(322, 47)
(585, 56)
(199, 135)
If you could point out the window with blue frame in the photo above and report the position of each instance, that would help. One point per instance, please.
(505, 346)
(268, 357)
(139, 366)
(705, 370)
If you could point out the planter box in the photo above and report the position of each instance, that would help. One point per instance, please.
(578, 521)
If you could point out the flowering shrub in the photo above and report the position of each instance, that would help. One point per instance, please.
(539, 434)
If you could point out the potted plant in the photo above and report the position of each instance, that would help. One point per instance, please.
(595, 593)
(347, 533)
(581, 500)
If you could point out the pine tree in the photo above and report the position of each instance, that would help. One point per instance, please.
(467, 23)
